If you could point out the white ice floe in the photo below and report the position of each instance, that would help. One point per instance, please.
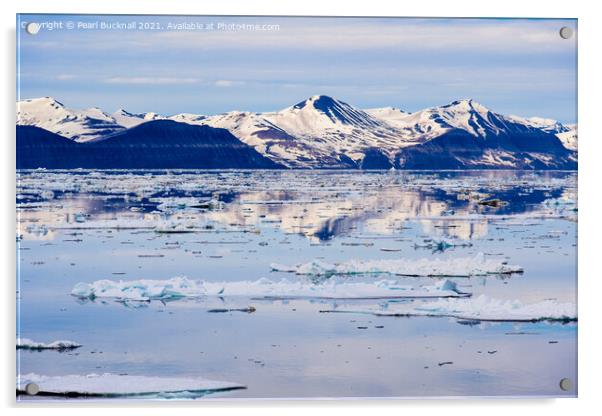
(481, 308)
(114, 385)
(451, 267)
(181, 287)
(28, 344)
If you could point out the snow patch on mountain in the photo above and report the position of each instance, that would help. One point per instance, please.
(391, 115)
(546, 124)
(128, 120)
(569, 139)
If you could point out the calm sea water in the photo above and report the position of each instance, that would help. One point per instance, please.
(83, 226)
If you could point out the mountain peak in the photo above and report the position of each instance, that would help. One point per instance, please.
(319, 102)
(123, 112)
(326, 111)
(42, 101)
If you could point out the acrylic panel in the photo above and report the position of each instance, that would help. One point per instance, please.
(222, 207)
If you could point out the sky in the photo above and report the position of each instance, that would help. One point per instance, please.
(211, 64)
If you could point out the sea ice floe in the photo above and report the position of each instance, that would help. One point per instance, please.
(114, 385)
(28, 344)
(451, 267)
(182, 287)
(480, 308)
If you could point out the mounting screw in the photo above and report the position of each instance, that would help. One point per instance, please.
(566, 32)
(566, 384)
(32, 389)
(32, 28)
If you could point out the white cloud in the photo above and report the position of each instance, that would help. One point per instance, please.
(151, 80)
(227, 83)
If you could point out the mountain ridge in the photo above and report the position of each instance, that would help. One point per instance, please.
(323, 132)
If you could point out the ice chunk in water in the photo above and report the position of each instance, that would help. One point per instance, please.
(481, 308)
(113, 385)
(142, 290)
(28, 344)
(451, 267)
(181, 287)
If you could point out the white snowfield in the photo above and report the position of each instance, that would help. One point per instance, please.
(425, 267)
(114, 385)
(569, 138)
(28, 344)
(127, 120)
(314, 132)
(181, 287)
(79, 125)
(479, 308)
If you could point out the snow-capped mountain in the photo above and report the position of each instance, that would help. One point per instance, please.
(323, 132)
(318, 132)
(79, 125)
(466, 135)
(466, 115)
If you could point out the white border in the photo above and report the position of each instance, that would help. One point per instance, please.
(590, 200)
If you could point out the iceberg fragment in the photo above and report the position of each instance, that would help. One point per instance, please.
(425, 267)
(114, 385)
(141, 290)
(28, 344)
(480, 308)
(182, 287)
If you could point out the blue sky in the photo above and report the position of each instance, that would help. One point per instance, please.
(519, 67)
